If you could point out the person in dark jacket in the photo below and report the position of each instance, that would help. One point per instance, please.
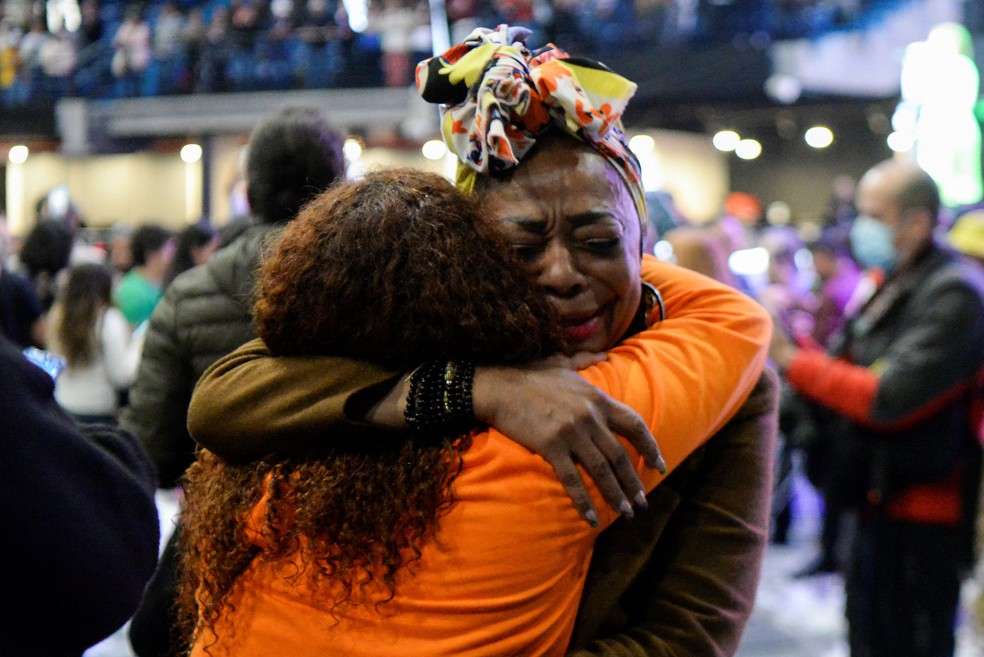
(22, 319)
(896, 390)
(84, 529)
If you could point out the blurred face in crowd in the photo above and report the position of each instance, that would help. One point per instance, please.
(120, 255)
(161, 259)
(824, 263)
(202, 254)
(574, 227)
(910, 229)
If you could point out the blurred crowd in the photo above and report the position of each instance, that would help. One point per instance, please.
(812, 288)
(82, 297)
(127, 49)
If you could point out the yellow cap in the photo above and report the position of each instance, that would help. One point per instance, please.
(967, 234)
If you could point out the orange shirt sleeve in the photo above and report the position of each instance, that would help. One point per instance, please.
(687, 375)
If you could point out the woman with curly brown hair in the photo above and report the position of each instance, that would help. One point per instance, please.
(368, 271)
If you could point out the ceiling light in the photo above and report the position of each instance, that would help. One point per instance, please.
(17, 154)
(748, 149)
(819, 136)
(726, 140)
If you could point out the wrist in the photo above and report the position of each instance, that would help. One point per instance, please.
(439, 399)
(484, 389)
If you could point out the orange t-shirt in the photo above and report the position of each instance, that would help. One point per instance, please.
(504, 572)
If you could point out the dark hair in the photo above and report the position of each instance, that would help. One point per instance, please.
(394, 269)
(293, 156)
(374, 267)
(46, 251)
(192, 237)
(47, 248)
(85, 295)
(148, 239)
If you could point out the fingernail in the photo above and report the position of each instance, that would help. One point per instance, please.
(660, 464)
(592, 518)
(641, 501)
(626, 509)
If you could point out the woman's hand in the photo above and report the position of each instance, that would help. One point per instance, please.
(549, 409)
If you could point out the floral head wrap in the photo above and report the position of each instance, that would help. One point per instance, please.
(497, 97)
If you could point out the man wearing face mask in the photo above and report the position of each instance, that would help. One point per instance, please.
(895, 391)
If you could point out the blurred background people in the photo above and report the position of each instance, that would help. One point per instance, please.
(95, 340)
(837, 280)
(967, 235)
(896, 393)
(44, 255)
(152, 250)
(195, 246)
(22, 319)
(132, 51)
(120, 258)
(703, 250)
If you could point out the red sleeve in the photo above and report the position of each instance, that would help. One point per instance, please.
(851, 389)
(834, 383)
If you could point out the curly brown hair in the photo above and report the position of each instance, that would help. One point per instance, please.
(396, 269)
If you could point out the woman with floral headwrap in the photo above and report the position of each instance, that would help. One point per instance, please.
(509, 582)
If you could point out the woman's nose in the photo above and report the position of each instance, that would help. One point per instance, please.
(560, 275)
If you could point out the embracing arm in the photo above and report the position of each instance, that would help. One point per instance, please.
(687, 376)
(235, 413)
(705, 357)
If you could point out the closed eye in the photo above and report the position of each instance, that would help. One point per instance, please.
(603, 245)
(527, 252)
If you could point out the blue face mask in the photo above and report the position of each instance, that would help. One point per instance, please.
(873, 244)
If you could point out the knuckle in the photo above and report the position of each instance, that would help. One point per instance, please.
(622, 461)
(571, 481)
(597, 466)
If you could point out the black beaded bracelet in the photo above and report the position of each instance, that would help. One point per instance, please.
(440, 399)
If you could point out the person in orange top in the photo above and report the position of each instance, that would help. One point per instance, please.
(896, 391)
(466, 546)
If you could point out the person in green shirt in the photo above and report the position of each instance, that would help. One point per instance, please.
(142, 287)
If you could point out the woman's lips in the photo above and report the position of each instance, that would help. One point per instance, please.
(584, 328)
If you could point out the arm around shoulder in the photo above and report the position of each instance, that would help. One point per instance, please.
(234, 414)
